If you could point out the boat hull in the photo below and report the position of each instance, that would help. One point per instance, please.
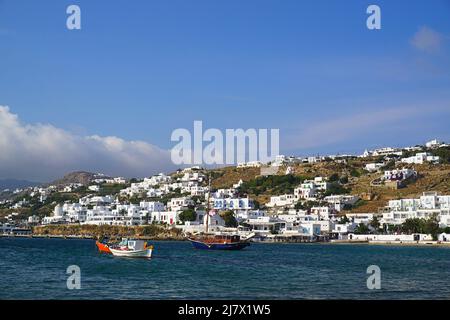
(102, 247)
(147, 253)
(218, 246)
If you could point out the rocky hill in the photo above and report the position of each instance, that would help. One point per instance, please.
(14, 184)
(82, 177)
(354, 179)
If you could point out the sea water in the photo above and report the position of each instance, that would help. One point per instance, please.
(37, 269)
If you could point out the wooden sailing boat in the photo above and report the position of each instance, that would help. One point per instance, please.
(216, 241)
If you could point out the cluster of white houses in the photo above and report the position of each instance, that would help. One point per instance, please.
(308, 190)
(388, 152)
(281, 217)
(316, 222)
(282, 220)
(428, 205)
(106, 210)
(157, 186)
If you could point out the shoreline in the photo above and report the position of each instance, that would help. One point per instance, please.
(79, 237)
(394, 243)
(335, 242)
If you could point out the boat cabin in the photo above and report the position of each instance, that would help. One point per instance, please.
(132, 244)
(221, 238)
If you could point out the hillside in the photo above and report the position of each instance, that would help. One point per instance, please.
(82, 177)
(345, 177)
(431, 178)
(16, 184)
(226, 177)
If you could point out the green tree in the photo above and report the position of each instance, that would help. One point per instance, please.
(375, 223)
(188, 215)
(336, 188)
(344, 219)
(355, 172)
(334, 177)
(343, 180)
(431, 226)
(230, 220)
(443, 153)
(271, 184)
(362, 229)
(426, 226)
(299, 206)
(414, 225)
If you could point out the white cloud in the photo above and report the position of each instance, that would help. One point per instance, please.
(43, 152)
(427, 39)
(326, 132)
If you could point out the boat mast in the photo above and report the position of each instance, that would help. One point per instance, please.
(207, 203)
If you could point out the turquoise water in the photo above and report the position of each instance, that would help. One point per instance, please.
(36, 269)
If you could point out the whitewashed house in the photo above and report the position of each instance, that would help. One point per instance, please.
(428, 205)
(167, 217)
(309, 188)
(236, 204)
(339, 202)
(399, 174)
(180, 204)
(420, 158)
(152, 206)
(433, 144)
(374, 166)
(266, 225)
(285, 200)
(250, 164)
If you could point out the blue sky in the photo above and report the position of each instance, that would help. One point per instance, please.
(138, 70)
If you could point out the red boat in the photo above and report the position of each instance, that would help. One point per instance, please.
(102, 247)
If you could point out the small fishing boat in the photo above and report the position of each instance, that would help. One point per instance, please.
(132, 249)
(102, 247)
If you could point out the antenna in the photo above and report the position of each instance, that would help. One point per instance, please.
(207, 203)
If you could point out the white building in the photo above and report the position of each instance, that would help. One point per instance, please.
(420, 158)
(386, 151)
(339, 202)
(167, 217)
(56, 217)
(323, 213)
(359, 218)
(266, 225)
(152, 206)
(399, 174)
(94, 188)
(433, 144)
(180, 204)
(250, 164)
(284, 200)
(318, 215)
(309, 188)
(34, 219)
(279, 160)
(224, 193)
(232, 204)
(314, 159)
(428, 205)
(390, 237)
(242, 215)
(374, 166)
